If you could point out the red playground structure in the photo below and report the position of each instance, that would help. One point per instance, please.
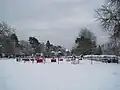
(53, 60)
(60, 59)
(39, 60)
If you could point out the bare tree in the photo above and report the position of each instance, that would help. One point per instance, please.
(5, 29)
(5, 37)
(109, 17)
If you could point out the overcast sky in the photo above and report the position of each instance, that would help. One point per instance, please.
(56, 20)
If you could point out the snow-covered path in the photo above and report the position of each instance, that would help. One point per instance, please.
(64, 76)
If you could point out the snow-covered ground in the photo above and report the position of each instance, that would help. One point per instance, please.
(64, 76)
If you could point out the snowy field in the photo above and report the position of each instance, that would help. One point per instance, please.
(64, 76)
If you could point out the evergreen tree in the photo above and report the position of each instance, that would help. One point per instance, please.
(35, 44)
(85, 43)
(14, 38)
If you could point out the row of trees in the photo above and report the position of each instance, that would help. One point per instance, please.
(85, 43)
(9, 43)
